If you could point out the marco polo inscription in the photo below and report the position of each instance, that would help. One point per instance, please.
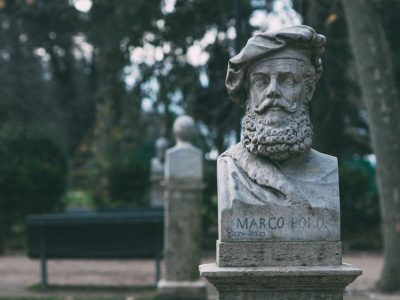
(271, 222)
(278, 223)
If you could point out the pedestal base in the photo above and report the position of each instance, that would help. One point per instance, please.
(181, 290)
(276, 253)
(280, 283)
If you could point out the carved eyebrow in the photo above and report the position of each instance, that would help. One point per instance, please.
(286, 73)
(259, 74)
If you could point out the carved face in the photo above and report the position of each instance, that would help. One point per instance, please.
(277, 124)
(277, 88)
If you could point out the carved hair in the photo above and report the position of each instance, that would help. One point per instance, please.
(310, 78)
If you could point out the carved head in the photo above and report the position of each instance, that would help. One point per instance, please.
(274, 78)
(184, 129)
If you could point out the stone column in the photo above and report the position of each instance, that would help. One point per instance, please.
(183, 196)
(157, 173)
(278, 199)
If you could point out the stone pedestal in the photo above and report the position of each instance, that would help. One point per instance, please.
(157, 188)
(271, 254)
(182, 246)
(283, 283)
(182, 237)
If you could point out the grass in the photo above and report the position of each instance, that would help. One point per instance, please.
(94, 288)
(28, 298)
(89, 292)
(75, 298)
(64, 298)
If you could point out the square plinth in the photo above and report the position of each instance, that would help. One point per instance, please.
(273, 283)
(269, 254)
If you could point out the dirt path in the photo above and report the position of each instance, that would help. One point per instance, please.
(130, 278)
(362, 287)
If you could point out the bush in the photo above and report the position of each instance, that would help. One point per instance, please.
(210, 205)
(78, 199)
(32, 176)
(129, 176)
(359, 207)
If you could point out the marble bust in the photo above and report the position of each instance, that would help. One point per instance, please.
(157, 173)
(186, 158)
(273, 172)
(157, 162)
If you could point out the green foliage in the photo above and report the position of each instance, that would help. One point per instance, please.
(42, 82)
(63, 298)
(32, 173)
(85, 102)
(29, 298)
(32, 176)
(210, 205)
(336, 112)
(129, 179)
(78, 198)
(359, 207)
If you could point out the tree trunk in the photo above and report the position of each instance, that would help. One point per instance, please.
(372, 57)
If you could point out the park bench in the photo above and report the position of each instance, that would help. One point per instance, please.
(108, 235)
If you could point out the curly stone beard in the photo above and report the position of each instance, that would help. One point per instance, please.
(276, 141)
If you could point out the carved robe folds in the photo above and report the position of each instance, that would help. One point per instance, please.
(296, 202)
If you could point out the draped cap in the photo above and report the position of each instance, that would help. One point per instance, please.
(301, 40)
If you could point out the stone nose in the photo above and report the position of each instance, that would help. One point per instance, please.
(272, 90)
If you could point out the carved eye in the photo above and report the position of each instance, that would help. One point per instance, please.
(287, 78)
(261, 81)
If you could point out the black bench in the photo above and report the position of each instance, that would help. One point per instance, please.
(132, 234)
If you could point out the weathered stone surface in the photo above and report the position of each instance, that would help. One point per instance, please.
(272, 187)
(274, 222)
(184, 160)
(187, 162)
(310, 178)
(274, 78)
(291, 282)
(264, 254)
(182, 238)
(331, 294)
(182, 227)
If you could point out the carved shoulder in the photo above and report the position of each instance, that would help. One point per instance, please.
(328, 161)
(326, 164)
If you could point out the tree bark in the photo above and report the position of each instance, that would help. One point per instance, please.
(372, 56)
